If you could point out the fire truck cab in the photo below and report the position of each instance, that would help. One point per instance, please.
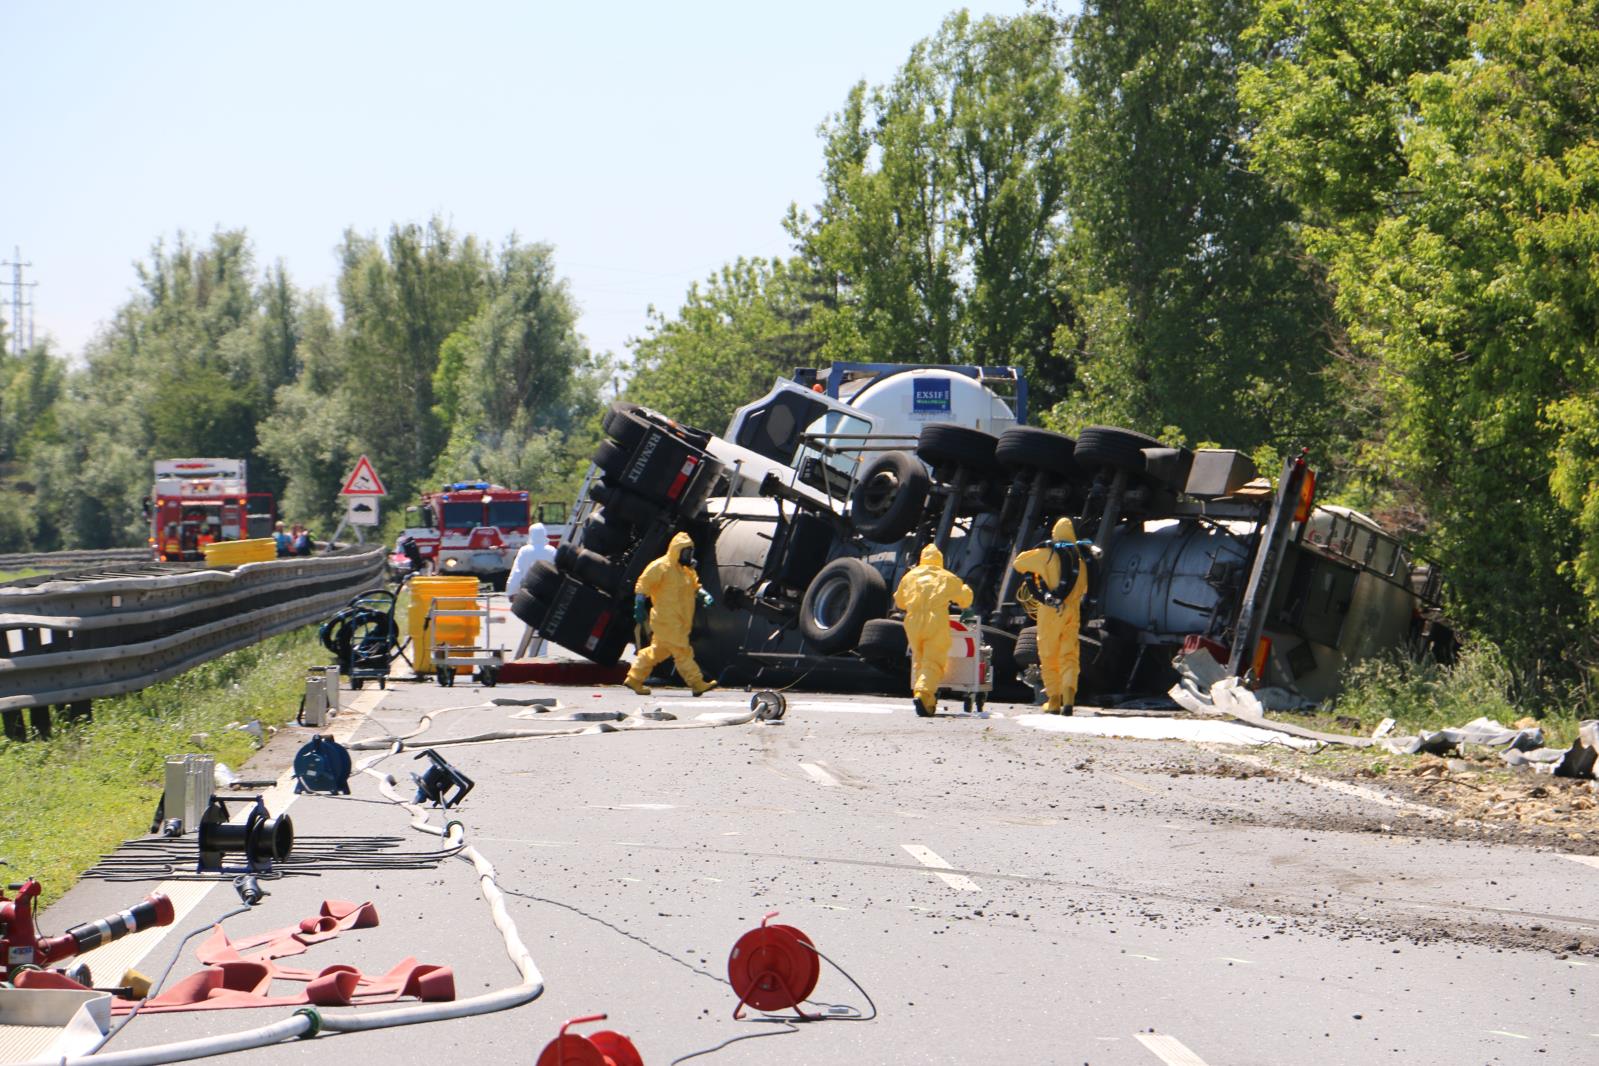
(196, 502)
(472, 527)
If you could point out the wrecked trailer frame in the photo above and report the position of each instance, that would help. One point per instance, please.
(801, 544)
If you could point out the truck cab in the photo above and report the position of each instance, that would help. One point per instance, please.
(197, 502)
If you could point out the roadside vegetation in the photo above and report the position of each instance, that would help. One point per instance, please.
(1362, 228)
(18, 575)
(68, 800)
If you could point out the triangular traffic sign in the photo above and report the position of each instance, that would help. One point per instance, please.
(363, 481)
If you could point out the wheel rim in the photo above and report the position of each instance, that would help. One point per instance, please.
(879, 492)
(831, 601)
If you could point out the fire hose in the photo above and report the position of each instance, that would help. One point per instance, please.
(308, 1022)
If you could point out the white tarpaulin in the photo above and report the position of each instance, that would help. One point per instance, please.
(1209, 731)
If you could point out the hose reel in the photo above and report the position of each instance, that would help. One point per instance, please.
(262, 839)
(773, 967)
(604, 1048)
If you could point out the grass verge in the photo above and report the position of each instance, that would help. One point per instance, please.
(67, 800)
(18, 575)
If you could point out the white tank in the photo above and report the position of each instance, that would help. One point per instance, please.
(905, 402)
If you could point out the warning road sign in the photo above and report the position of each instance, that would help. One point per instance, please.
(363, 481)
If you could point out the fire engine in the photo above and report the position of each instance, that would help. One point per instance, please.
(473, 527)
(202, 501)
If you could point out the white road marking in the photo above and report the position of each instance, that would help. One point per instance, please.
(1344, 788)
(1229, 958)
(831, 907)
(1506, 1032)
(820, 775)
(1136, 955)
(930, 859)
(843, 708)
(1586, 860)
(632, 807)
(1169, 1049)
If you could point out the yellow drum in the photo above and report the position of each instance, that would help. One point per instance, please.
(452, 594)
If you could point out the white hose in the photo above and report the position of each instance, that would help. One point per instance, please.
(308, 1022)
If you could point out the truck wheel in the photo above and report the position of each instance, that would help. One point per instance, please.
(1119, 449)
(602, 536)
(890, 497)
(883, 643)
(627, 423)
(542, 580)
(621, 505)
(1026, 448)
(840, 600)
(611, 457)
(942, 444)
(1027, 647)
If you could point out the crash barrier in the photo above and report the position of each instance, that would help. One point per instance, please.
(69, 642)
(72, 560)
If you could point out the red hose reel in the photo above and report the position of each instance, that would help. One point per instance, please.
(773, 967)
(603, 1048)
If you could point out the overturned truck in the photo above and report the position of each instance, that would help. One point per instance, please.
(806, 512)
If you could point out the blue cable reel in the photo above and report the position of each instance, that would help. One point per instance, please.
(323, 765)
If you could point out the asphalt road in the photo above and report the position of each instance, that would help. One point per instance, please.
(1003, 894)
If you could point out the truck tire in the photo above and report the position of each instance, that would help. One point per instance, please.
(604, 537)
(611, 457)
(889, 497)
(842, 598)
(1026, 653)
(1107, 446)
(542, 580)
(627, 423)
(943, 444)
(883, 643)
(1003, 657)
(1026, 448)
(587, 566)
(621, 505)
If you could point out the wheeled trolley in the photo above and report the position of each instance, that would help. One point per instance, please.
(446, 619)
(970, 674)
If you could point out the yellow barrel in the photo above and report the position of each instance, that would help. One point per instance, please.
(452, 594)
(234, 552)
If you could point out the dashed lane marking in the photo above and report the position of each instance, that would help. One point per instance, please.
(1586, 860)
(820, 775)
(930, 859)
(1506, 1032)
(1136, 955)
(1169, 1049)
(1229, 958)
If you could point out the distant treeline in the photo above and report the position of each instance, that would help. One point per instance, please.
(1368, 228)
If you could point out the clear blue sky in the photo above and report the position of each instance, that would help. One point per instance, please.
(648, 142)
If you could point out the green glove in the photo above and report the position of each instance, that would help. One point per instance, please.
(641, 608)
(706, 599)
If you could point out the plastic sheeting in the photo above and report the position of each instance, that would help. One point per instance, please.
(1210, 731)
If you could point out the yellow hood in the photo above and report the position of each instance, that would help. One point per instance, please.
(1064, 530)
(931, 556)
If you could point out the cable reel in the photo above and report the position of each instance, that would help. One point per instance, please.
(323, 765)
(769, 706)
(604, 1048)
(262, 838)
(773, 967)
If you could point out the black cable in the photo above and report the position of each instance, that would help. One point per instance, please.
(166, 971)
(788, 1027)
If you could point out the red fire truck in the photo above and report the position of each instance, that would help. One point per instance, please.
(474, 527)
(197, 502)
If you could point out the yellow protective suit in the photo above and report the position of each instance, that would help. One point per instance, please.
(1057, 626)
(925, 594)
(672, 589)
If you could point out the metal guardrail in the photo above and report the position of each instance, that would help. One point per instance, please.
(92, 636)
(71, 560)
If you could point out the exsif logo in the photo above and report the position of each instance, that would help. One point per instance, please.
(930, 396)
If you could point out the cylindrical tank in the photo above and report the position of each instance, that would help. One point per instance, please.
(902, 403)
(1156, 577)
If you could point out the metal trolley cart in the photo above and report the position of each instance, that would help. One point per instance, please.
(971, 672)
(446, 656)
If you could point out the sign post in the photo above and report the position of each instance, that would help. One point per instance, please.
(361, 492)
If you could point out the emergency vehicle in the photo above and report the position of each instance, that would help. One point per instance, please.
(473, 527)
(196, 502)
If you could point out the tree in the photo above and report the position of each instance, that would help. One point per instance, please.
(401, 299)
(1461, 247)
(745, 326)
(1198, 312)
(944, 195)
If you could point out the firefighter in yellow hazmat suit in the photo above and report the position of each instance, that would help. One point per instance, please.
(670, 586)
(925, 594)
(1057, 580)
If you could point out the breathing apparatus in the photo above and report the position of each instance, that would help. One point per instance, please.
(1069, 552)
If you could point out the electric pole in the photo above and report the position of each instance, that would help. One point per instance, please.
(19, 301)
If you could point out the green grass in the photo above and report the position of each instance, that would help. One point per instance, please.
(1427, 697)
(67, 800)
(18, 575)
